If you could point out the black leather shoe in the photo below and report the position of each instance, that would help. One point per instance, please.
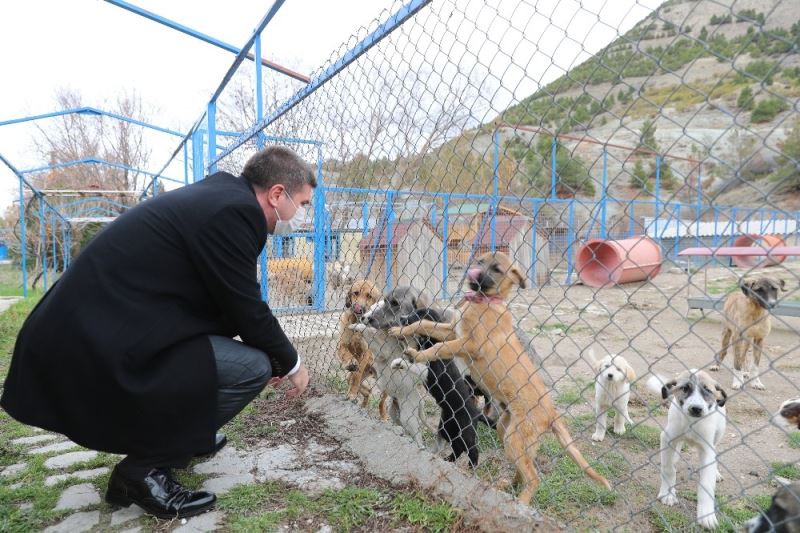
(219, 442)
(157, 494)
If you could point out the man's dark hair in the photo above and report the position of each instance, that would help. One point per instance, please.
(278, 164)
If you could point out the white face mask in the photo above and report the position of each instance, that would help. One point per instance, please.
(285, 227)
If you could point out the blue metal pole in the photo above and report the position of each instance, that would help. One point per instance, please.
(604, 197)
(657, 198)
(699, 203)
(320, 233)
(364, 220)
(198, 166)
(734, 223)
(259, 93)
(715, 238)
(212, 136)
(495, 186)
(632, 214)
(260, 146)
(55, 241)
(155, 186)
(570, 240)
(43, 240)
(553, 168)
(389, 237)
(186, 163)
(23, 243)
(446, 249)
(64, 246)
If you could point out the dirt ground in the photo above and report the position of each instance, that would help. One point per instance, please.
(650, 325)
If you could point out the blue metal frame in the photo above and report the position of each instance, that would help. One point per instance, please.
(95, 161)
(205, 38)
(391, 24)
(90, 111)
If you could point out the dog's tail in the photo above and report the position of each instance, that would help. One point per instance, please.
(563, 436)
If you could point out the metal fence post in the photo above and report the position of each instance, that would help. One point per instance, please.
(445, 248)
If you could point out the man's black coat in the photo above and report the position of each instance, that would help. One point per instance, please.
(116, 354)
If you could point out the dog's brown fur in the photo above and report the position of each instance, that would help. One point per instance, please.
(484, 336)
(746, 322)
(352, 349)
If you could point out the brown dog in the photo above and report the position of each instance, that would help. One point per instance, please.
(352, 350)
(484, 336)
(747, 321)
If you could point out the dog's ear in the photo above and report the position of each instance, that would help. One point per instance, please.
(348, 302)
(374, 294)
(516, 273)
(629, 373)
(746, 286)
(423, 300)
(782, 283)
(666, 390)
(722, 396)
(593, 362)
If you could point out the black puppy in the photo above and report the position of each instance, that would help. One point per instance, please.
(453, 394)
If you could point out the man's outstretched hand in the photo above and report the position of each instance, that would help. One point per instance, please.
(299, 381)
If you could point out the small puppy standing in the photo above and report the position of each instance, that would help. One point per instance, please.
(747, 322)
(697, 417)
(352, 350)
(484, 337)
(611, 389)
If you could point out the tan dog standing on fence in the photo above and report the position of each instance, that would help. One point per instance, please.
(352, 349)
(484, 337)
(747, 322)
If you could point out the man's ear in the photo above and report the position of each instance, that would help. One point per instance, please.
(517, 274)
(666, 390)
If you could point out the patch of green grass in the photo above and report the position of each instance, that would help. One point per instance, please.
(581, 422)
(336, 383)
(32, 490)
(488, 439)
(669, 519)
(10, 323)
(794, 440)
(349, 507)
(566, 489)
(787, 470)
(554, 327)
(570, 396)
(643, 437)
(417, 510)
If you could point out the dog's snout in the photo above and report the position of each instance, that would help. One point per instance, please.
(473, 274)
(695, 410)
(357, 308)
(610, 375)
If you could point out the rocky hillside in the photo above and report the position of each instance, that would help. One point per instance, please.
(713, 81)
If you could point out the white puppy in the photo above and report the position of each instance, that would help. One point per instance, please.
(697, 417)
(612, 388)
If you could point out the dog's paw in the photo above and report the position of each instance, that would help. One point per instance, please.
(358, 326)
(598, 436)
(400, 364)
(714, 367)
(503, 484)
(707, 521)
(756, 384)
(396, 331)
(736, 384)
(720, 479)
(619, 430)
(668, 498)
(411, 353)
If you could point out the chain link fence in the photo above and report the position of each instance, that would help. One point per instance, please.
(605, 147)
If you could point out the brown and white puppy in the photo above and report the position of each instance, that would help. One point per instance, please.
(783, 516)
(788, 415)
(483, 335)
(612, 388)
(747, 322)
(697, 417)
(352, 349)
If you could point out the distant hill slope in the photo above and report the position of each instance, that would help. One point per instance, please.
(683, 69)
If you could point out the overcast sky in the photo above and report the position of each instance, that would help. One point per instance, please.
(99, 50)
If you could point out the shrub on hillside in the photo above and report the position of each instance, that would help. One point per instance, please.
(766, 110)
